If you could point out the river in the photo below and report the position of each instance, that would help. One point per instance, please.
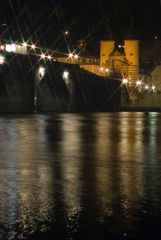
(80, 176)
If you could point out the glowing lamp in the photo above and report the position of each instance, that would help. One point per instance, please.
(24, 44)
(70, 55)
(76, 56)
(43, 56)
(33, 46)
(125, 81)
(66, 33)
(49, 57)
(138, 83)
(2, 47)
(146, 87)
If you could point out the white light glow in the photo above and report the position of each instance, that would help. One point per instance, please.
(10, 47)
(125, 81)
(2, 59)
(65, 75)
(70, 55)
(24, 44)
(146, 87)
(43, 56)
(2, 47)
(49, 57)
(76, 56)
(138, 83)
(66, 33)
(41, 72)
(33, 46)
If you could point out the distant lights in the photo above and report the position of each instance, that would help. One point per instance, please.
(121, 46)
(73, 56)
(102, 69)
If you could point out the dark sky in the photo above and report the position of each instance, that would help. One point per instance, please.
(43, 21)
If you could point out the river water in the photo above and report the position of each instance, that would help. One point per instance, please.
(80, 176)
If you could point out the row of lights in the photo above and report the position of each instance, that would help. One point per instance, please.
(125, 81)
(73, 56)
(140, 84)
(104, 70)
(22, 48)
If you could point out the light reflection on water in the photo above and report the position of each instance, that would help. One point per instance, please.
(80, 176)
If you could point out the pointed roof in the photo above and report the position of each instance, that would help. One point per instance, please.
(131, 34)
(108, 34)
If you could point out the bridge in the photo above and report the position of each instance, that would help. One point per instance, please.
(35, 81)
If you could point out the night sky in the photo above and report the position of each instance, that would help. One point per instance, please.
(44, 21)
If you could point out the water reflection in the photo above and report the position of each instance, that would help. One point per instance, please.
(80, 176)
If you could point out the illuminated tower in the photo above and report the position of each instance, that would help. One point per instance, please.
(107, 46)
(132, 55)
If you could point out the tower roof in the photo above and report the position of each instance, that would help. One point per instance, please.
(107, 31)
(131, 34)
